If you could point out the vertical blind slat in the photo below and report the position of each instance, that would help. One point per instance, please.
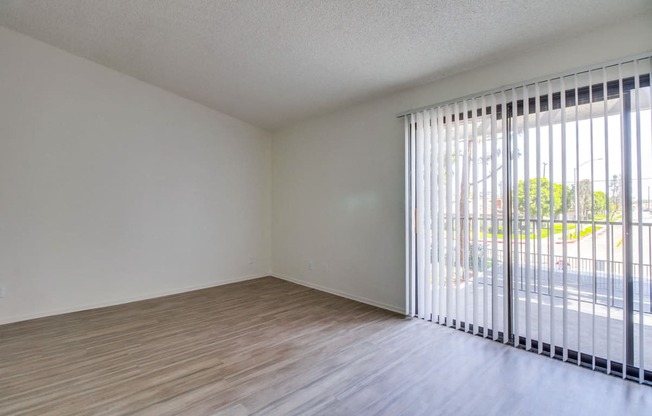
(494, 219)
(578, 226)
(421, 255)
(485, 209)
(594, 288)
(427, 230)
(649, 138)
(564, 204)
(456, 214)
(537, 93)
(443, 299)
(551, 195)
(526, 186)
(434, 156)
(639, 183)
(625, 214)
(464, 195)
(449, 219)
(408, 222)
(506, 238)
(475, 213)
(605, 92)
(412, 214)
(513, 245)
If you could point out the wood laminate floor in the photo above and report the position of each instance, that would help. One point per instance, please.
(267, 346)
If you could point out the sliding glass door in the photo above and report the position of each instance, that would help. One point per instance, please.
(530, 217)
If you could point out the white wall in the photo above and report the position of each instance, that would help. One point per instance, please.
(113, 190)
(338, 185)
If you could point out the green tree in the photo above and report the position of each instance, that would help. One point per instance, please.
(542, 208)
(599, 202)
(585, 199)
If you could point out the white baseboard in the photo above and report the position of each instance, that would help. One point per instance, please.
(341, 294)
(151, 295)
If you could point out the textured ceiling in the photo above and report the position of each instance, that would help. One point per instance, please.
(273, 62)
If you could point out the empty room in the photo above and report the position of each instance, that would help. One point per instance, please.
(325, 207)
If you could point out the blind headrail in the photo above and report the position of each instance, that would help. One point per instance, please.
(533, 81)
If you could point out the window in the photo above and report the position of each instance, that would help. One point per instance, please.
(530, 217)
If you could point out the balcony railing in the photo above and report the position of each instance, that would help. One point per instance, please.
(594, 270)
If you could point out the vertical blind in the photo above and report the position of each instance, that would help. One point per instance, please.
(529, 216)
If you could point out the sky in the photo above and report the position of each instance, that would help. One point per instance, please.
(590, 128)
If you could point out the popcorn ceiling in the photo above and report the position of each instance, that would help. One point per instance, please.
(274, 62)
